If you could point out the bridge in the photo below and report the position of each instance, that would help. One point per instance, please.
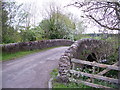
(33, 71)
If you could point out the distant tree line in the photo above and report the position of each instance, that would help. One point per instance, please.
(16, 24)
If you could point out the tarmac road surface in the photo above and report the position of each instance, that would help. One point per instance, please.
(31, 71)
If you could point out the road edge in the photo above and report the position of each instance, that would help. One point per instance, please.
(50, 83)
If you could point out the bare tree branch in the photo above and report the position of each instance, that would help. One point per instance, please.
(111, 28)
(105, 14)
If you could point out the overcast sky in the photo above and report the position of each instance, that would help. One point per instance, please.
(40, 5)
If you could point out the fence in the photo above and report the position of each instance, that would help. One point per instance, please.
(93, 76)
(73, 56)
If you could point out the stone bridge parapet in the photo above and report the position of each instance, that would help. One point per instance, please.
(33, 45)
(81, 49)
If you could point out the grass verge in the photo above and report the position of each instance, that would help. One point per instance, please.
(11, 56)
(55, 84)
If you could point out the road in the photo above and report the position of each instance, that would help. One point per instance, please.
(31, 71)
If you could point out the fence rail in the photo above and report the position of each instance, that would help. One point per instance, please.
(88, 84)
(112, 67)
(94, 76)
(106, 70)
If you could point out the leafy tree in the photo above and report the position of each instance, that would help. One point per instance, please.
(27, 35)
(57, 26)
(80, 28)
(7, 30)
(11, 21)
(16, 14)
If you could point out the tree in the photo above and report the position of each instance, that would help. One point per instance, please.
(27, 35)
(80, 28)
(16, 14)
(105, 13)
(9, 21)
(5, 26)
(56, 24)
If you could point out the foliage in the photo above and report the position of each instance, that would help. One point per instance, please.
(54, 73)
(69, 85)
(81, 36)
(57, 26)
(39, 33)
(113, 58)
(16, 15)
(27, 35)
(8, 32)
(9, 15)
(16, 25)
(84, 78)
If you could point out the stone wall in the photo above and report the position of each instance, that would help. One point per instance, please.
(25, 46)
(100, 48)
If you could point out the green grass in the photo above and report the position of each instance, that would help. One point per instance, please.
(54, 73)
(11, 56)
(69, 85)
(56, 84)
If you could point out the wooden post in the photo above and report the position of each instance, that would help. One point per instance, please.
(93, 73)
(73, 67)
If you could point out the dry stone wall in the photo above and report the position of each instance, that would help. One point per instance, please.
(100, 48)
(25, 46)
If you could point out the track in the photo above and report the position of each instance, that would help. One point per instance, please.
(31, 71)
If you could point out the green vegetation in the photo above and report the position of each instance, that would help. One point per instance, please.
(113, 58)
(56, 84)
(54, 73)
(16, 26)
(70, 85)
(12, 18)
(57, 26)
(11, 56)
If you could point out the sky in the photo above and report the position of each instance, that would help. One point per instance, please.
(40, 5)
